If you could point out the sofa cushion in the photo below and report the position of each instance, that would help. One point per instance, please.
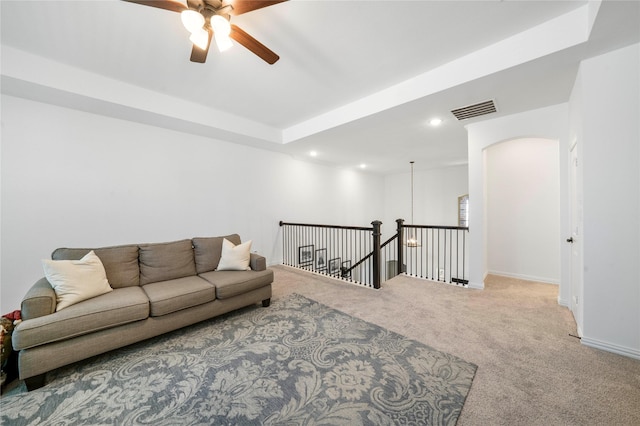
(166, 261)
(233, 283)
(76, 280)
(235, 257)
(173, 295)
(208, 251)
(121, 306)
(120, 262)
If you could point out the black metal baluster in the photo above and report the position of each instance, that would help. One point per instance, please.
(450, 255)
(464, 251)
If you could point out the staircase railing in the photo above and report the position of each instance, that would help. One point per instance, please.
(344, 252)
(356, 254)
(437, 253)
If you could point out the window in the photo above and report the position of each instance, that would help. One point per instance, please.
(463, 210)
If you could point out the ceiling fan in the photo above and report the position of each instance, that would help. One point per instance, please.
(209, 19)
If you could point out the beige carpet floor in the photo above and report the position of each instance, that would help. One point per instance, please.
(530, 370)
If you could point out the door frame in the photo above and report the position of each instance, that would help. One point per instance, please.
(575, 239)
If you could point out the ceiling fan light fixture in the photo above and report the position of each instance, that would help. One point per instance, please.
(192, 20)
(220, 25)
(223, 42)
(221, 30)
(206, 18)
(200, 38)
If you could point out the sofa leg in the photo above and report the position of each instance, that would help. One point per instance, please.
(266, 303)
(35, 382)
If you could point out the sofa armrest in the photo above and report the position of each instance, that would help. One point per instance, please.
(257, 262)
(39, 301)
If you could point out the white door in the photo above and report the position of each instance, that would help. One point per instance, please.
(574, 239)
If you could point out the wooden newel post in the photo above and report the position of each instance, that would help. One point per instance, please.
(376, 253)
(400, 233)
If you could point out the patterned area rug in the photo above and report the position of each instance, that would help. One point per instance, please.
(297, 362)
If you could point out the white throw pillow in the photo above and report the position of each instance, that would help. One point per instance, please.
(235, 257)
(76, 280)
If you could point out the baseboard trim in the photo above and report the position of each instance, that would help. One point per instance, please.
(563, 302)
(610, 347)
(545, 280)
(477, 286)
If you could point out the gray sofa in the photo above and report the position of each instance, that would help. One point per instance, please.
(157, 288)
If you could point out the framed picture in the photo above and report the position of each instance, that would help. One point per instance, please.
(305, 254)
(321, 259)
(334, 266)
(344, 271)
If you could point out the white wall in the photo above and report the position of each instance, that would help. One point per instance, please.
(607, 97)
(435, 197)
(76, 179)
(548, 123)
(523, 209)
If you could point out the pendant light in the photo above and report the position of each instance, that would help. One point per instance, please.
(412, 241)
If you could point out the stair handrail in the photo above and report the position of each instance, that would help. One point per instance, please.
(364, 259)
(353, 228)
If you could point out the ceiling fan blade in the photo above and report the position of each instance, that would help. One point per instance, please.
(244, 6)
(172, 5)
(253, 45)
(200, 55)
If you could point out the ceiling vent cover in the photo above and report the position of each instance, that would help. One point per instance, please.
(471, 111)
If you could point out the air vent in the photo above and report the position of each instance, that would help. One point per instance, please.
(471, 111)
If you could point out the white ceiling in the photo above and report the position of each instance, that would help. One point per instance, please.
(357, 80)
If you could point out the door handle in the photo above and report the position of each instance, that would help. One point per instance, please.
(570, 240)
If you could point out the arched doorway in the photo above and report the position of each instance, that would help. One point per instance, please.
(522, 202)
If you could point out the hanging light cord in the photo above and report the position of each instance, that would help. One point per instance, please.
(411, 192)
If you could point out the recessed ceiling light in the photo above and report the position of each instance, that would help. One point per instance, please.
(313, 154)
(435, 121)
(363, 166)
